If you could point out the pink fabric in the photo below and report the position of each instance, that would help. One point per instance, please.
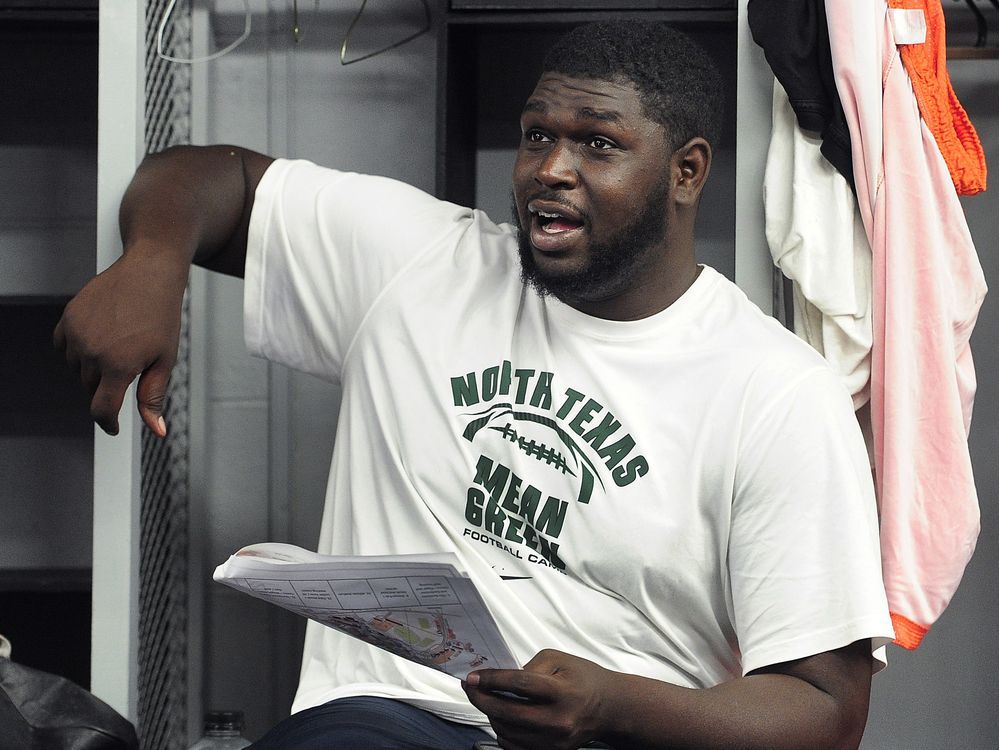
(927, 290)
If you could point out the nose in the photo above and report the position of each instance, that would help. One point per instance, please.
(558, 167)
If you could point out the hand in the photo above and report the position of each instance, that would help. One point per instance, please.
(125, 323)
(563, 707)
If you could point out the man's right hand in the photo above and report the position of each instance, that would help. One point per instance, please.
(125, 324)
(184, 204)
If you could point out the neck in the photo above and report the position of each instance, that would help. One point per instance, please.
(659, 287)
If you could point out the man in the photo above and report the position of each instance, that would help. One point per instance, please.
(662, 494)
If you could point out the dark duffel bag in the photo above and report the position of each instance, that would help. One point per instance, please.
(42, 711)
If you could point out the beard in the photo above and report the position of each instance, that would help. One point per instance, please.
(612, 266)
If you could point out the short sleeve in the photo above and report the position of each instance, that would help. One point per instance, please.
(804, 562)
(322, 246)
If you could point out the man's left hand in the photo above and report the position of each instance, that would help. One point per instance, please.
(557, 701)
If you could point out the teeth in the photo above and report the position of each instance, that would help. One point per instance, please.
(548, 215)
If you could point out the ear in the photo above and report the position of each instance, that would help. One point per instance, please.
(689, 166)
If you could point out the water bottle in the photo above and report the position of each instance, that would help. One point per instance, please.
(223, 731)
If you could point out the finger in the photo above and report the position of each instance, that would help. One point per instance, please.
(151, 397)
(107, 402)
(527, 685)
(90, 376)
(506, 710)
(517, 737)
(546, 661)
(74, 363)
(509, 744)
(59, 336)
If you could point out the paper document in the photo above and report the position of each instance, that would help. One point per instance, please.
(419, 607)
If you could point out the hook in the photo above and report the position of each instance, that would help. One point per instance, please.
(296, 27)
(980, 22)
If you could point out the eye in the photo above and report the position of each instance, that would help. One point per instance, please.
(601, 143)
(535, 136)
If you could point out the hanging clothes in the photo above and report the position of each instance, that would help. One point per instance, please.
(796, 44)
(828, 261)
(925, 61)
(927, 288)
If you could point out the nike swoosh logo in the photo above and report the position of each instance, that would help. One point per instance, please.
(516, 578)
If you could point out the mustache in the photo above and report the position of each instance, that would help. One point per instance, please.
(551, 196)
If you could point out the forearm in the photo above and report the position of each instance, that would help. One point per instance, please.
(183, 204)
(192, 203)
(817, 702)
(771, 711)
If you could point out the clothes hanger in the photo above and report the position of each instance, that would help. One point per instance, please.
(980, 50)
(161, 27)
(981, 28)
(354, 22)
(296, 34)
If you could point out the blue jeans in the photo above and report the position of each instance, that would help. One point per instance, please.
(365, 723)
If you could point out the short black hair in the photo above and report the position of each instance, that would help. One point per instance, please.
(679, 84)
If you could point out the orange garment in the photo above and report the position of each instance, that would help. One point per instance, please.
(939, 106)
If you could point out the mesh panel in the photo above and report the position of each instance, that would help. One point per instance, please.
(163, 626)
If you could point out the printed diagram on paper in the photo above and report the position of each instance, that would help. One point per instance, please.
(418, 607)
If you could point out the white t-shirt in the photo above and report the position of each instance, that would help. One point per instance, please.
(685, 497)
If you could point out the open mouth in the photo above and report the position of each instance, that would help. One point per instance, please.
(554, 223)
(553, 228)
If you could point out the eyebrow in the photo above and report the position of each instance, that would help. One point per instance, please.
(584, 113)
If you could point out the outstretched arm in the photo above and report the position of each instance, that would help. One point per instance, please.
(817, 702)
(184, 204)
